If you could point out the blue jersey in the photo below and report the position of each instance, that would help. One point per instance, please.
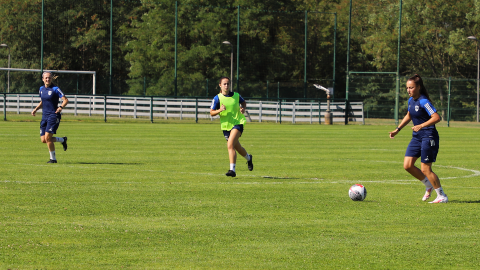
(216, 101)
(50, 97)
(421, 110)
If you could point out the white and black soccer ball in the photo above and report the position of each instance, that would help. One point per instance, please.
(357, 192)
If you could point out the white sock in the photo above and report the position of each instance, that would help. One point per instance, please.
(247, 157)
(232, 166)
(52, 155)
(59, 139)
(427, 183)
(440, 192)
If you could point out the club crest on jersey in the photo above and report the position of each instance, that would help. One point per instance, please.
(416, 108)
(49, 93)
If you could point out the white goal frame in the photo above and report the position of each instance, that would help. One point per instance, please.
(94, 73)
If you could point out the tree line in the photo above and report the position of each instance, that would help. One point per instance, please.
(272, 41)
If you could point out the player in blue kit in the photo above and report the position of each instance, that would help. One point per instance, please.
(425, 139)
(227, 105)
(51, 116)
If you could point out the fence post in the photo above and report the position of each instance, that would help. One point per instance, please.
(319, 111)
(311, 113)
(120, 108)
(276, 113)
(135, 108)
(181, 109)
(363, 116)
(75, 105)
(105, 108)
(166, 109)
(4, 107)
(196, 110)
(293, 112)
(347, 105)
(280, 111)
(151, 109)
(448, 103)
(260, 111)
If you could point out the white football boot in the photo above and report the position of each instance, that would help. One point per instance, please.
(428, 192)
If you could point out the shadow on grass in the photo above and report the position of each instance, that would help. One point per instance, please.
(108, 163)
(275, 177)
(455, 201)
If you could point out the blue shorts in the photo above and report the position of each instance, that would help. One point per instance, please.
(50, 124)
(226, 133)
(427, 148)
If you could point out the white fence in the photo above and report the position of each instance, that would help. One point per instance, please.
(184, 108)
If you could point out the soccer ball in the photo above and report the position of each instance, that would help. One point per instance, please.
(357, 192)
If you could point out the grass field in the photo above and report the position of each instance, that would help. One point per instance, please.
(154, 196)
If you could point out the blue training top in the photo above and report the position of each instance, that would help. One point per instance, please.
(421, 110)
(50, 97)
(216, 101)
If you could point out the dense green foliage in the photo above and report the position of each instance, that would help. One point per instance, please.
(159, 199)
(271, 38)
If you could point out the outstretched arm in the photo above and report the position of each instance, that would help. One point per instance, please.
(404, 122)
(39, 106)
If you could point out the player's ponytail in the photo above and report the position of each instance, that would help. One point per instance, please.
(418, 81)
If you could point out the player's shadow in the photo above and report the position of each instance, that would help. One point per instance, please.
(283, 178)
(107, 163)
(456, 201)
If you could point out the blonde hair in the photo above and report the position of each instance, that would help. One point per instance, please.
(43, 74)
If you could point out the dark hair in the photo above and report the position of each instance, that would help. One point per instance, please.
(419, 82)
(221, 79)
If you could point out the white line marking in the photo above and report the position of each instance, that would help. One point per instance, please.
(289, 180)
(25, 182)
(475, 172)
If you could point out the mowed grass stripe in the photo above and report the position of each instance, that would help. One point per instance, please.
(140, 195)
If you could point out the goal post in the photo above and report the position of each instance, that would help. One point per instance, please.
(93, 73)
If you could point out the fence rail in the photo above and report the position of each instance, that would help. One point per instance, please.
(193, 108)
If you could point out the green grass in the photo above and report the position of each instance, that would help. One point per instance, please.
(154, 196)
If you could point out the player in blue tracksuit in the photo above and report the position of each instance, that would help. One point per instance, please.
(425, 139)
(51, 114)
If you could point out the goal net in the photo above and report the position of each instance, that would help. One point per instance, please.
(18, 80)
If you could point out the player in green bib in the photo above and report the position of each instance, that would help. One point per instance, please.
(227, 105)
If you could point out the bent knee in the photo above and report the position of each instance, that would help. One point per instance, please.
(426, 170)
(408, 166)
